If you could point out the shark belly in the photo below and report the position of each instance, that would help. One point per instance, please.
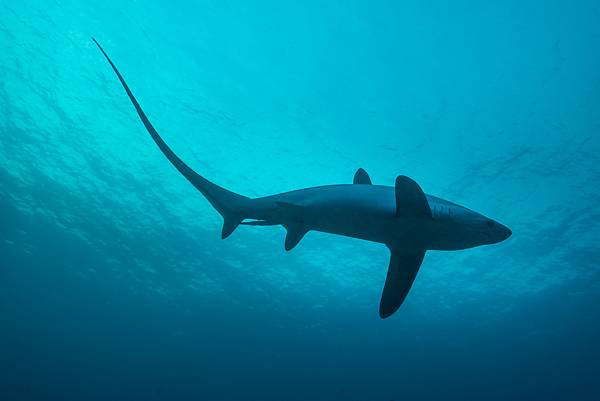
(366, 212)
(353, 223)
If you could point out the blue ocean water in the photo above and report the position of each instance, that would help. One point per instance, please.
(114, 284)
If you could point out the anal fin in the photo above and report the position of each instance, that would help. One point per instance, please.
(230, 223)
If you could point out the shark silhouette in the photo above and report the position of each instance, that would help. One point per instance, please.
(402, 217)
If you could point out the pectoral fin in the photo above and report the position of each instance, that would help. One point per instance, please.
(403, 268)
(410, 198)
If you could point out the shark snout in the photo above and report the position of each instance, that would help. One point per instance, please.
(495, 232)
(503, 232)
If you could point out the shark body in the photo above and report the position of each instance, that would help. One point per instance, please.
(402, 216)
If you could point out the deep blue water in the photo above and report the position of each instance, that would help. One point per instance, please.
(114, 284)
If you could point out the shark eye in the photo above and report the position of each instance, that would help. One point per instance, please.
(490, 223)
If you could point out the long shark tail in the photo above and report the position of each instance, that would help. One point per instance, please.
(230, 205)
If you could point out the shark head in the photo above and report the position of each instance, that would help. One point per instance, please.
(477, 229)
(467, 228)
(485, 231)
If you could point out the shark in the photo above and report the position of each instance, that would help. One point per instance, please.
(401, 217)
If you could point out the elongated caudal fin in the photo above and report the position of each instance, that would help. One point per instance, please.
(229, 204)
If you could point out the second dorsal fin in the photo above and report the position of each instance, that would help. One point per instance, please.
(362, 177)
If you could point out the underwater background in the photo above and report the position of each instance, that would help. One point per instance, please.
(114, 283)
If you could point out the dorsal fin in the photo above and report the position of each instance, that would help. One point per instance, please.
(362, 177)
(410, 198)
